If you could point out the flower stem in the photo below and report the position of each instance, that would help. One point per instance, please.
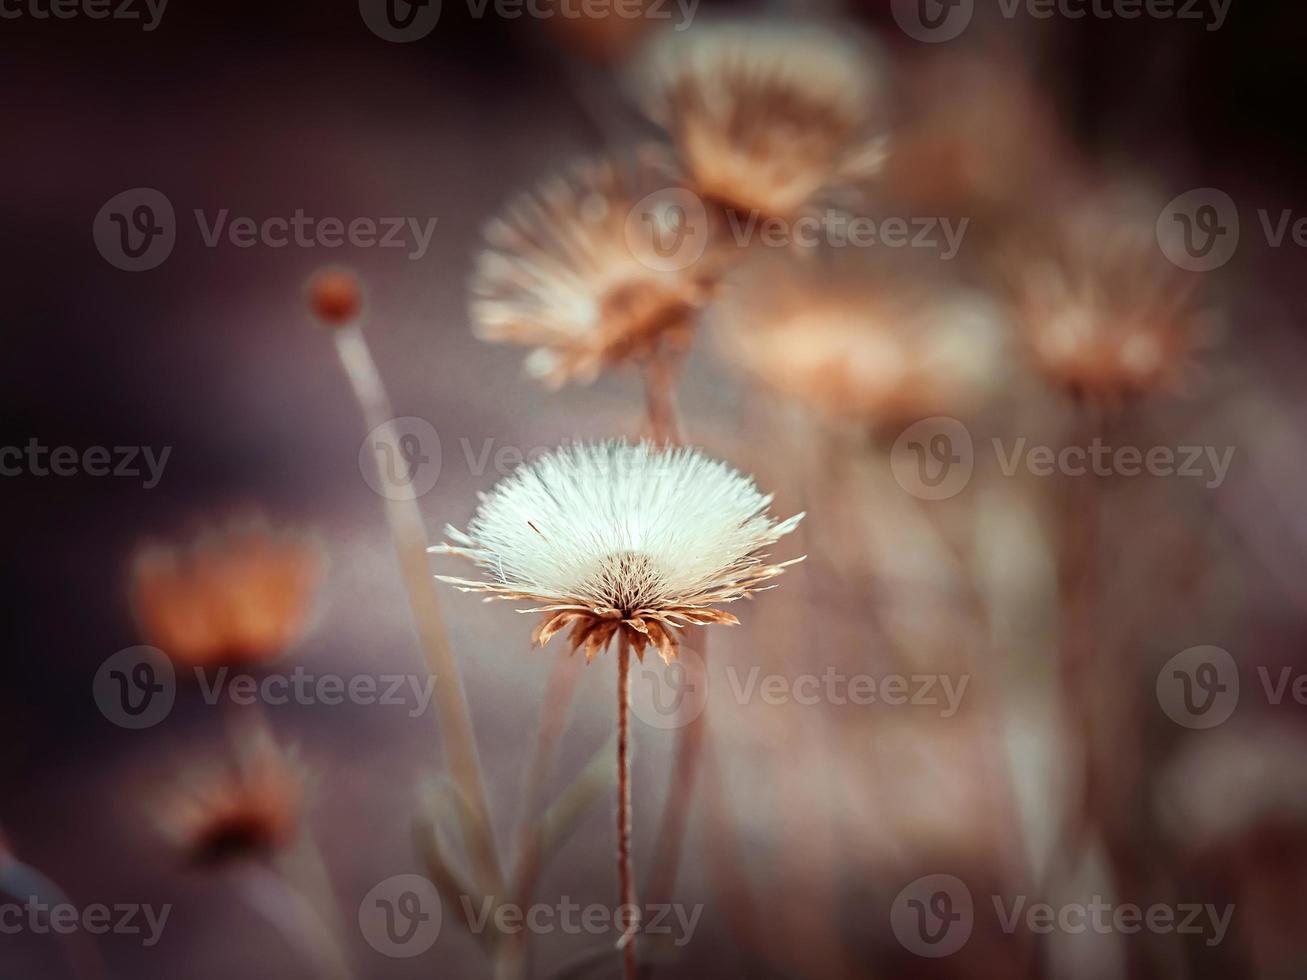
(410, 540)
(625, 880)
(661, 410)
(671, 827)
(295, 918)
(528, 856)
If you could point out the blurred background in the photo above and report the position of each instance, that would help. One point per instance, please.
(1076, 764)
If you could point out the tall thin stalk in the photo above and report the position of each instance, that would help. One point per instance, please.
(625, 879)
(408, 533)
(294, 916)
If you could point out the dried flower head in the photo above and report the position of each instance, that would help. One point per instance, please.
(1233, 783)
(572, 270)
(765, 116)
(1104, 314)
(240, 595)
(858, 340)
(248, 808)
(611, 536)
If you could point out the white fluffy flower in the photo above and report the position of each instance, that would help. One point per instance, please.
(615, 536)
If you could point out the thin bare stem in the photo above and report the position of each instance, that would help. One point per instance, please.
(410, 540)
(676, 809)
(662, 413)
(527, 857)
(295, 918)
(625, 880)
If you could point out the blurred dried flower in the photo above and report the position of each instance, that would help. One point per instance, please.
(335, 297)
(1104, 314)
(857, 340)
(977, 136)
(568, 271)
(614, 536)
(765, 116)
(248, 808)
(1231, 783)
(240, 595)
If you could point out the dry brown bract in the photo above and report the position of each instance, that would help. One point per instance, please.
(858, 341)
(765, 117)
(573, 271)
(610, 537)
(241, 595)
(247, 809)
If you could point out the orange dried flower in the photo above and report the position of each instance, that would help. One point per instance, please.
(857, 340)
(1105, 316)
(241, 595)
(572, 270)
(766, 117)
(246, 809)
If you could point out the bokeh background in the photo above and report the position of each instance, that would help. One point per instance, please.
(828, 810)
